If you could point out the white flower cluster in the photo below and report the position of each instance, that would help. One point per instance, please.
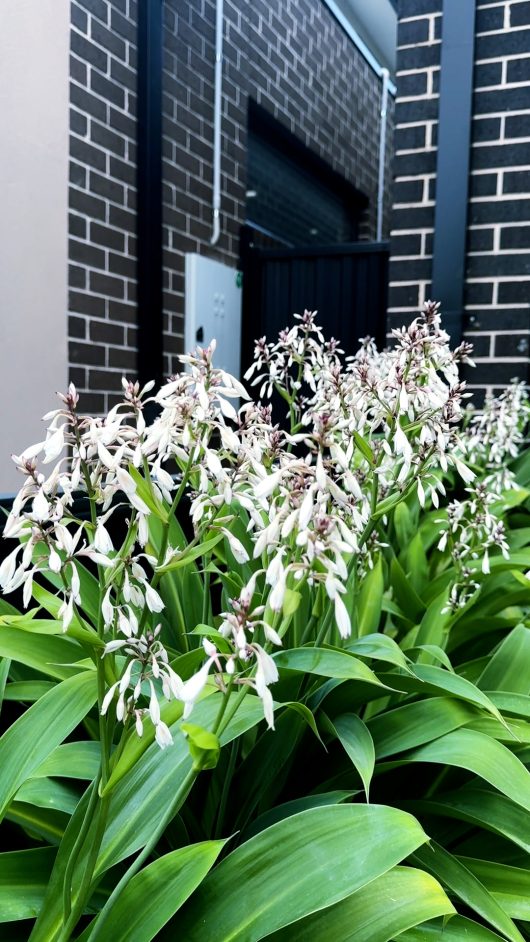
(470, 531)
(496, 434)
(361, 437)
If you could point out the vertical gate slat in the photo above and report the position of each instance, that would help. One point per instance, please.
(347, 284)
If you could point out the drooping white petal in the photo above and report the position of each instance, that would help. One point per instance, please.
(191, 689)
(342, 618)
(163, 735)
(152, 598)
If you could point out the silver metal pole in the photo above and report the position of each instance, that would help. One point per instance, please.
(217, 123)
(382, 154)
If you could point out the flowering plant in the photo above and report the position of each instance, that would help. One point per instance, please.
(234, 573)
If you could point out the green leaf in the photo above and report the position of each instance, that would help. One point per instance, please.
(326, 662)
(155, 893)
(466, 885)
(503, 671)
(399, 899)
(434, 652)
(5, 665)
(417, 564)
(416, 723)
(139, 798)
(404, 525)
(54, 656)
(302, 711)
(370, 600)
(291, 601)
(288, 808)
(404, 593)
(438, 679)
(204, 746)
(189, 555)
(379, 647)
(78, 760)
(281, 870)
(434, 621)
(41, 824)
(23, 878)
(7, 609)
(145, 493)
(457, 929)
(45, 793)
(485, 808)
(364, 447)
(40, 729)
(485, 757)
(509, 885)
(358, 744)
(27, 691)
(52, 603)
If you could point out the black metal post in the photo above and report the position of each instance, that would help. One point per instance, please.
(149, 183)
(452, 166)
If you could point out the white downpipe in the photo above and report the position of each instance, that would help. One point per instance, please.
(358, 42)
(382, 154)
(217, 123)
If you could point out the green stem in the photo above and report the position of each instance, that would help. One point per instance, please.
(78, 843)
(226, 788)
(86, 881)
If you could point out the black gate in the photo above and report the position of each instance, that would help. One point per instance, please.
(347, 284)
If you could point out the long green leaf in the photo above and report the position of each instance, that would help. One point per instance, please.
(27, 691)
(189, 555)
(139, 798)
(379, 647)
(45, 793)
(437, 679)
(485, 757)
(40, 729)
(370, 600)
(457, 929)
(503, 670)
(467, 886)
(326, 662)
(156, 893)
(23, 878)
(416, 723)
(399, 899)
(282, 868)
(71, 760)
(485, 808)
(288, 808)
(52, 655)
(358, 744)
(509, 885)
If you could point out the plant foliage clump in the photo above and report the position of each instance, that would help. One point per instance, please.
(273, 683)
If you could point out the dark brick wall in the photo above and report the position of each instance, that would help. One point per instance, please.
(102, 198)
(497, 288)
(290, 56)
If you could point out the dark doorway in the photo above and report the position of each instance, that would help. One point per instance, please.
(346, 283)
(291, 192)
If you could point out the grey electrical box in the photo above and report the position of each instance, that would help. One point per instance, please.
(213, 310)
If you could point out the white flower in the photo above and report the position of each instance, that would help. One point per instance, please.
(163, 735)
(236, 546)
(342, 618)
(41, 507)
(102, 541)
(152, 598)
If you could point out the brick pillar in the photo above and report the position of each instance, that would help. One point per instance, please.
(497, 286)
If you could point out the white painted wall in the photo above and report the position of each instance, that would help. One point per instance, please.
(34, 45)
